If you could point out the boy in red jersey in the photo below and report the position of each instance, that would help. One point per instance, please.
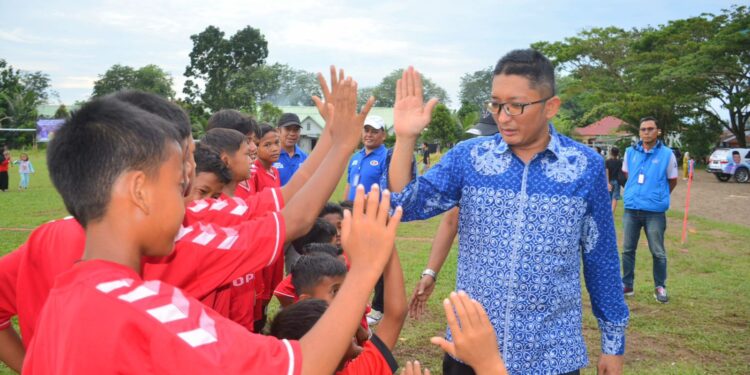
(102, 318)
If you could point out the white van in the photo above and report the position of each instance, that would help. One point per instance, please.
(722, 165)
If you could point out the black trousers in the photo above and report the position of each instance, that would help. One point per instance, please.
(377, 299)
(453, 367)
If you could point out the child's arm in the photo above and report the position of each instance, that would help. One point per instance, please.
(369, 242)
(395, 308)
(414, 368)
(474, 341)
(346, 129)
(11, 349)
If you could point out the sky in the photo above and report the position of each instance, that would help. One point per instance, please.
(75, 41)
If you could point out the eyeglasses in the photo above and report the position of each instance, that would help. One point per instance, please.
(511, 109)
(647, 130)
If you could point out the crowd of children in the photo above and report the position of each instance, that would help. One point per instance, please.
(174, 250)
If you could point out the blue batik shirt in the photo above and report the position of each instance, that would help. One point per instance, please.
(523, 231)
(287, 165)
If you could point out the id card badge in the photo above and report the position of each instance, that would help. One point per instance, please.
(641, 178)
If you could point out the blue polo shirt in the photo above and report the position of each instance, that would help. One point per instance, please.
(287, 165)
(366, 169)
(652, 192)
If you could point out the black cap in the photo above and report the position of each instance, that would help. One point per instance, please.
(485, 126)
(288, 119)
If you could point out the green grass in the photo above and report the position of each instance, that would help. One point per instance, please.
(705, 328)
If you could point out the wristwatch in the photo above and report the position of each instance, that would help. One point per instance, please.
(430, 273)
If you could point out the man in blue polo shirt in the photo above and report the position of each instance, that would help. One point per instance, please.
(367, 165)
(291, 155)
(651, 169)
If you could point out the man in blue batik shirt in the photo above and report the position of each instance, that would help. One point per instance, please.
(534, 205)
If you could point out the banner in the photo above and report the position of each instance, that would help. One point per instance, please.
(45, 129)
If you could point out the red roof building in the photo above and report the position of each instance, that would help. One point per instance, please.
(603, 133)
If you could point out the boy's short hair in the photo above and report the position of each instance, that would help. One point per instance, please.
(232, 119)
(159, 106)
(532, 65)
(224, 140)
(325, 248)
(322, 232)
(265, 129)
(208, 160)
(332, 208)
(310, 269)
(347, 204)
(99, 142)
(295, 320)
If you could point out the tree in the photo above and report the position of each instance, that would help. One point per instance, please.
(442, 128)
(149, 78)
(363, 94)
(62, 112)
(476, 87)
(222, 71)
(20, 94)
(700, 137)
(292, 86)
(385, 92)
(269, 113)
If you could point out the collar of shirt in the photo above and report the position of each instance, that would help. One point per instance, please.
(378, 151)
(297, 152)
(639, 147)
(553, 146)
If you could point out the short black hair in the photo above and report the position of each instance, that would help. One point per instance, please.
(325, 248)
(99, 142)
(224, 140)
(649, 118)
(295, 320)
(531, 64)
(331, 208)
(322, 232)
(207, 159)
(614, 151)
(159, 106)
(235, 120)
(265, 129)
(347, 204)
(310, 269)
(735, 152)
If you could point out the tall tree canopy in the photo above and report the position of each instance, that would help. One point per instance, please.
(149, 78)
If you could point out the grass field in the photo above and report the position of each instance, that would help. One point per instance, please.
(705, 329)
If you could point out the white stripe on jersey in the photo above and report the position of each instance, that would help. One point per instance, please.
(276, 200)
(276, 244)
(178, 309)
(289, 350)
(198, 206)
(219, 205)
(112, 285)
(145, 290)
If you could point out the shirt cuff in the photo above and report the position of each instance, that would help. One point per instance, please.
(613, 337)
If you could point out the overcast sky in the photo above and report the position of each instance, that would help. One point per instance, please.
(74, 41)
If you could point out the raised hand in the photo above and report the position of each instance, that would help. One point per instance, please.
(367, 233)
(346, 125)
(421, 294)
(328, 95)
(410, 114)
(414, 368)
(474, 340)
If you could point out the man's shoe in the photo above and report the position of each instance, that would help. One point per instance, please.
(373, 318)
(628, 291)
(661, 294)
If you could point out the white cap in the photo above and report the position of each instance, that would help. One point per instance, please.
(376, 122)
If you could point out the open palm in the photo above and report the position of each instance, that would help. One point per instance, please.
(410, 114)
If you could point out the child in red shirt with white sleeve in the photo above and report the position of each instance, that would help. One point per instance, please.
(102, 318)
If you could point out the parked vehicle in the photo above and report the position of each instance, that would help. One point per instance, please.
(722, 164)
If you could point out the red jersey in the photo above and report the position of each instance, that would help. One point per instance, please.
(264, 178)
(4, 165)
(205, 257)
(286, 289)
(247, 188)
(374, 359)
(271, 276)
(101, 318)
(234, 210)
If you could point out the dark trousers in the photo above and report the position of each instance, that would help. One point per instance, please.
(453, 367)
(377, 299)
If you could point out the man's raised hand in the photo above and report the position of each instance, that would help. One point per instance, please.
(410, 114)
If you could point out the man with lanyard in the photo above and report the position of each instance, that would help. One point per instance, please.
(534, 208)
(291, 155)
(654, 176)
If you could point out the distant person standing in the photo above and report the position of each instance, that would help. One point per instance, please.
(685, 165)
(651, 170)
(614, 173)
(4, 163)
(291, 155)
(425, 157)
(368, 164)
(25, 170)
